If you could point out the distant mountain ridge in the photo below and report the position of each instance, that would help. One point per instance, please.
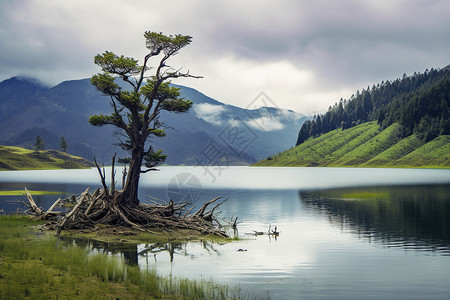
(28, 109)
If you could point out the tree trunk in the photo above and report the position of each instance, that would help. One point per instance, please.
(130, 191)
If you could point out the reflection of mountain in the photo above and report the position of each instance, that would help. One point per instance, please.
(409, 217)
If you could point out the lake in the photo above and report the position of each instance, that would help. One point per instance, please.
(345, 233)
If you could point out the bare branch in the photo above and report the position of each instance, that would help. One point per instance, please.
(113, 174)
(102, 176)
(149, 169)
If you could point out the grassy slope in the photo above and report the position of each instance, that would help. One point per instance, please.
(16, 158)
(366, 145)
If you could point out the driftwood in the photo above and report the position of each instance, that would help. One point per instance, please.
(50, 210)
(32, 203)
(102, 207)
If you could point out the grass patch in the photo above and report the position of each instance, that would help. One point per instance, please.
(16, 158)
(23, 192)
(35, 265)
(364, 195)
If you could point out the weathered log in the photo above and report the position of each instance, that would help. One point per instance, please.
(45, 216)
(36, 209)
(201, 211)
(70, 214)
(93, 201)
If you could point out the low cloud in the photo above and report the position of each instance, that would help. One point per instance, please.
(210, 113)
(266, 123)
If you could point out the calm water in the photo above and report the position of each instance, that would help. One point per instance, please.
(344, 233)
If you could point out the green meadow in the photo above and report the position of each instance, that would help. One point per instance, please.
(16, 158)
(366, 145)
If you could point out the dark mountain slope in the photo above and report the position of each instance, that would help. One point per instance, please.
(28, 109)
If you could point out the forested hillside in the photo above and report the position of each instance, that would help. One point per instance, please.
(418, 103)
(401, 123)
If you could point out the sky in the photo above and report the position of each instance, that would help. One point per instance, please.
(301, 55)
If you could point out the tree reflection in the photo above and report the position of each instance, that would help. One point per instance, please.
(413, 217)
(132, 252)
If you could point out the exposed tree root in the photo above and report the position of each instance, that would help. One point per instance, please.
(109, 206)
(101, 207)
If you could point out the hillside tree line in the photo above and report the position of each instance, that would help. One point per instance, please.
(419, 103)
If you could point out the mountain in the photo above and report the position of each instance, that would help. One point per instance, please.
(403, 123)
(235, 135)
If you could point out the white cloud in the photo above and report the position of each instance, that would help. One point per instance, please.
(305, 55)
(209, 112)
(266, 123)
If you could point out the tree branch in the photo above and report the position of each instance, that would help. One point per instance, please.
(148, 170)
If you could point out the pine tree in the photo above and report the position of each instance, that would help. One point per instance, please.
(39, 144)
(63, 145)
(136, 110)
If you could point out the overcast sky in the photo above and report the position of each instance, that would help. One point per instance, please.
(303, 54)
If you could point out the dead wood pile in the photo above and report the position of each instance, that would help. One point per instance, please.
(99, 208)
(102, 207)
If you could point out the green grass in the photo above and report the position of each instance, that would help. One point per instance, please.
(433, 154)
(364, 195)
(16, 158)
(369, 149)
(34, 265)
(396, 152)
(366, 145)
(23, 192)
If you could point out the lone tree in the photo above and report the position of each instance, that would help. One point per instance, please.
(136, 114)
(136, 109)
(39, 144)
(63, 145)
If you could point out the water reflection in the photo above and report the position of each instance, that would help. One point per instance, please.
(410, 217)
(142, 254)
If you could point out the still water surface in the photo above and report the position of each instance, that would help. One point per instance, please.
(344, 233)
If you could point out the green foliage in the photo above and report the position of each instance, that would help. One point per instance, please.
(176, 105)
(120, 65)
(419, 104)
(39, 144)
(63, 145)
(105, 84)
(157, 42)
(153, 159)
